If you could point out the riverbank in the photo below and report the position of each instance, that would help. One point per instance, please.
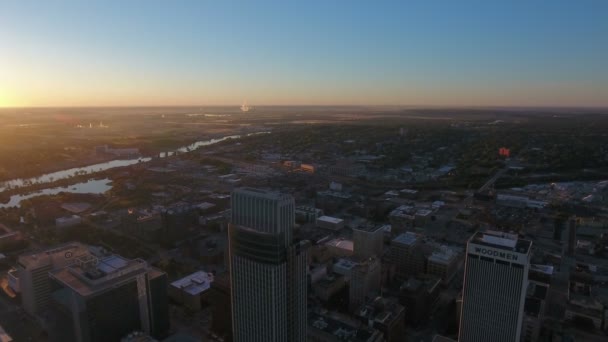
(66, 178)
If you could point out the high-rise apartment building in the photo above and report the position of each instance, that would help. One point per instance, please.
(268, 270)
(494, 291)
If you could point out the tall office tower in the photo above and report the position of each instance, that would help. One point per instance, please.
(33, 269)
(494, 291)
(368, 241)
(104, 297)
(268, 270)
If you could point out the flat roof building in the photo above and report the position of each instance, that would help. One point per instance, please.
(328, 222)
(323, 328)
(444, 262)
(33, 272)
(407, 255)
(344, 267)
(368, 241)
(340, 247)
(494, 291)
(103, 297)
(365, 282)
(189, 290)
(268, 269)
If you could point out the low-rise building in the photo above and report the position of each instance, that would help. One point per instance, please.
(444, 262)
(308, 168)
(519, 201)
(323, 328)
(329, 286)
(419, 295)
(13, 280)
(408, 193)
(8, 237)
(386, 315)
(585, 308)
(190, 290)
(68, 221)
(340, 247)
(406, 217)
(328, 222)
(344, 267)
(305, 214)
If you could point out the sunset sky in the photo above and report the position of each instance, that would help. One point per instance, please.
(115, 53)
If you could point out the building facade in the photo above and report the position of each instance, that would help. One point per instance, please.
(365, 282)
(407, 256)
(103, 297)
(268, 270)
(33, 273)
(494, 291)
(368, 241)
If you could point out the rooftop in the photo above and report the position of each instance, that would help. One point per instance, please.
(409, 191)
(330, 279)
(546, 269)
(205, 205)
(341, 243)
(415, 284)
(337, 194)
(330, 219)
(90, 274)
(500, 240)
(268, 194)
(195, 283)
(60, 255)
(443, 255)
(4, 229)
(371, 228)
(407, 238)
(382, 310)
(345, 263)
(341, 330)
(439, 338)
(76, 208)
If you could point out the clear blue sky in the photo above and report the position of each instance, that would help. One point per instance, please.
(137, 52)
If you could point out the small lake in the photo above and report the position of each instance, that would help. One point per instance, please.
(93, 186)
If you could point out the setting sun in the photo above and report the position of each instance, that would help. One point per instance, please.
(7, 99)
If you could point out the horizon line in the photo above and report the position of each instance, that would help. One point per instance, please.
(404, 106)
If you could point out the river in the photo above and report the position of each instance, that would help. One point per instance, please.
(92, 169)
(93, 186)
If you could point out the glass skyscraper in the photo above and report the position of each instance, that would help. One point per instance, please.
(268, 269)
